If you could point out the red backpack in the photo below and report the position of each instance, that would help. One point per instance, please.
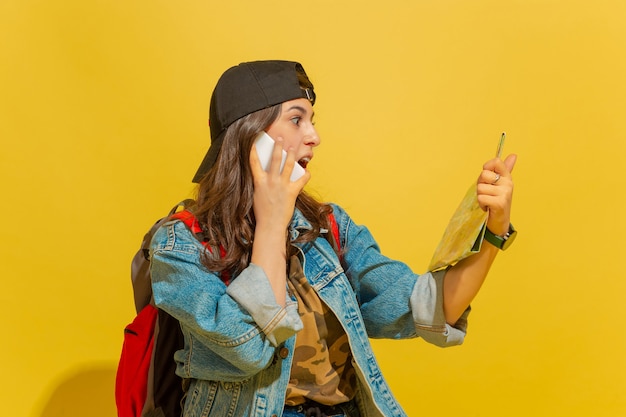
(146, 383)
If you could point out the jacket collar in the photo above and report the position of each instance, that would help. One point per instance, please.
(298, 223)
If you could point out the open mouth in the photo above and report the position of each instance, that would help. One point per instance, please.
(304, 162)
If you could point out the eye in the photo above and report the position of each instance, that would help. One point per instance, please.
(296, 120)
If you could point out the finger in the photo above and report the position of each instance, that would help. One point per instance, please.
(497, 203)
(255, 163)
(289, 162)
(277, 157)
(510, 161)
(496, 191)
(502, 167)
(502, 190)
(498, 168)
(489, 177)
(302, 181)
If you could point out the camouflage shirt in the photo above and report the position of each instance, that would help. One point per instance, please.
(322, 369)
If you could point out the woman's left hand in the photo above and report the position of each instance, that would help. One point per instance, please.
(463, 281)
(495, 192)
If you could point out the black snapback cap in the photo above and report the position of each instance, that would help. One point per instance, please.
(246, 88)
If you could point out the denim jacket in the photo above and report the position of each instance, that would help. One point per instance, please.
(239, 342)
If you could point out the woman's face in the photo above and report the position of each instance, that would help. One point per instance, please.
(295, 126)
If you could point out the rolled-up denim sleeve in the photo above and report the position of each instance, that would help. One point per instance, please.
(395, 301)
(428, 315)
(253, 292)
(220, 315)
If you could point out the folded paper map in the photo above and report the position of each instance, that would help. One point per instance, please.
(463, 235)
(465, 231)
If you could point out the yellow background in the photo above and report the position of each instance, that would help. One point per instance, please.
(103, 108)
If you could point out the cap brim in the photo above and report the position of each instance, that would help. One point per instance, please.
(209, 158)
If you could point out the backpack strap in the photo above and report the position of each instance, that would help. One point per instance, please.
(148, 237)
(334, 228)
(192, 223)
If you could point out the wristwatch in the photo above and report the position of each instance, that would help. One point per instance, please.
(501, 242)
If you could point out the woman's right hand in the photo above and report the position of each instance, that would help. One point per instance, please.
(274, 193)
(273, 203)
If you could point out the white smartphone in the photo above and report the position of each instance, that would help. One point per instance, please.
(264, 147)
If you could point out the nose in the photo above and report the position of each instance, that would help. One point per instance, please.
(312, 138)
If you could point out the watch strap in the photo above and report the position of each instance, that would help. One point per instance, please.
(500, 242)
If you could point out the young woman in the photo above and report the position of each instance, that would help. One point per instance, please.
(276, 312)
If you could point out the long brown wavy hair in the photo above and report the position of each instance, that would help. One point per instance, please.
(225, 195)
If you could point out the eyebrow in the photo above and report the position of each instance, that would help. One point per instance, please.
(301, 109)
